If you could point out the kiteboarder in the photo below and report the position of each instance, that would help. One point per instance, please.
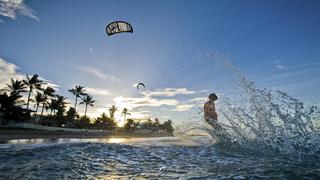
(210, 113)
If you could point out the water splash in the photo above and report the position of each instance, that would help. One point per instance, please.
(263, 119)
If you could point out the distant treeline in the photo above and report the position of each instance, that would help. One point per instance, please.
(43, 106)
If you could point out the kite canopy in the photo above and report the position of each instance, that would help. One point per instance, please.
(140, 84)
(118, 27)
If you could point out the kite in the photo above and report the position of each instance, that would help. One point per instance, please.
(140, 84)
(118, 27)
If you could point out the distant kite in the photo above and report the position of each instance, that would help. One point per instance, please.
(118, 27)
(140, 84)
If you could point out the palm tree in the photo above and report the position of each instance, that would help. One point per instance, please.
(124, 113)
(60, 104)
(47, 92)
(38, 99)
(52, 106)
(87, 100)
(32, 83)
(15, 87)
(112, 111)
(78, 91)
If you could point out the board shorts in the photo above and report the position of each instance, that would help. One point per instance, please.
(213, 122)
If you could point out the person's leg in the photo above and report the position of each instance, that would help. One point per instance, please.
(214, 123)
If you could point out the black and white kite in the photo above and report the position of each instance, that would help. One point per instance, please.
(118, 27)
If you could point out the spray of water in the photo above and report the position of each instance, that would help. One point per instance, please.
(263, 119)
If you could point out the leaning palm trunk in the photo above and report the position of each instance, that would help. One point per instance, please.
(42, 110)
(37, 109)
(85, 112)
(28, 99)
(75, 104)
(34, 121)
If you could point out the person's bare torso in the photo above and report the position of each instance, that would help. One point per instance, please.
(210, 111)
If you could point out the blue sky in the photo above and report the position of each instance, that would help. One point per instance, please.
(274, 43)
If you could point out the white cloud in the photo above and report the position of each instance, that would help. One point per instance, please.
(139, 115)
(91, 50)
(9, 70)
(99, 74)
(97, 91)
(135, 85)
(199, 99)
(277, 62)
(13, 8)
(146, 101)
(169, 92)
(280, 66)
(49, 83)
(183, 107)
(158, 98)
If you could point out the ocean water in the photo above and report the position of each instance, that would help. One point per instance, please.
(154, 158)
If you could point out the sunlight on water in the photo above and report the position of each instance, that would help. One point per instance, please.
(117, 140)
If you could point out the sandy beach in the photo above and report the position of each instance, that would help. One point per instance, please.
(20, 133)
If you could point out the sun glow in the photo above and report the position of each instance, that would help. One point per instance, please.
(117, 140)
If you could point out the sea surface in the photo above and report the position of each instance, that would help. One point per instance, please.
(146, 158)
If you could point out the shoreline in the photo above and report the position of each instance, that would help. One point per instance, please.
(15, 134)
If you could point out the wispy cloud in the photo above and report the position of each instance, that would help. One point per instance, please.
(8, 71)
(280, 66)
(146, 101)
(96, 72)
(199, 99)
(277, 62)
(183, 107)
(159, 97)
(13, 8)
(49, 83)
(97, 91)
(300, 73)
(170, 92)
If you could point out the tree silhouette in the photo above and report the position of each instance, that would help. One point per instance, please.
(112, 111)
(71, 114)
(87, 100)
(60, 105)
(15, 88)
(104, 122)
(167, 126)
(130, 125)
(38, 99)
(78, 91)
(47, 92)
(124, 113)
(32, 83)
(52, 106)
